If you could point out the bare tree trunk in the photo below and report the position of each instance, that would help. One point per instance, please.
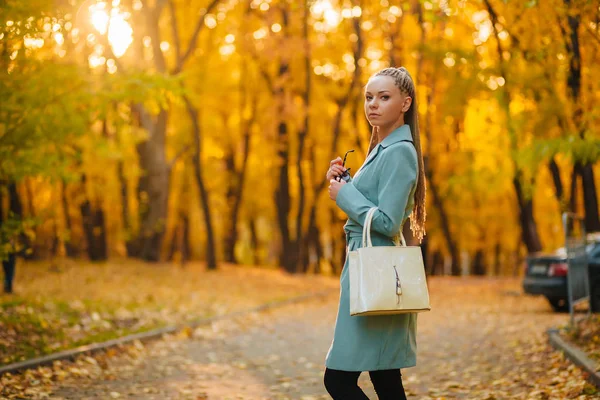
(528, 225)
(211, 257)
(590, 198)
(558, 186)
(236, 189)
(288, 258)
(301, 240)
(230, 233)
(573, 196)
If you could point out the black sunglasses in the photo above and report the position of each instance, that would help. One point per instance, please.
(345, 175)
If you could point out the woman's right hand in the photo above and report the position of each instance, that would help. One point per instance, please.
(335, 169)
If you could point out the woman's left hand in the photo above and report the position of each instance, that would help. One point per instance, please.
(334, 188)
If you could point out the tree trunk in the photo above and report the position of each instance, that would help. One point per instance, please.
(153, 187)
(558, 186)
(437, 263)
(479, 263)
(236, 186)
(124, 193)
(573, 196)
(186, 250)
(590, 198)
(94, 228)
(70, 249)
(181, 240)
(528, 227)
(301, 240)
(173, 244)
(211, 256)
(10, 263)
(497, 255)
(313, 244)
(288, 257)
(254, 240)
(230, 234)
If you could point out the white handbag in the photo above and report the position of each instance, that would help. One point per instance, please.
(386, 279)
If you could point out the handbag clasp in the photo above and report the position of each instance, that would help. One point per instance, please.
(398, 286)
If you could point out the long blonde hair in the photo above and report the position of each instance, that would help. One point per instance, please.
(405, 83)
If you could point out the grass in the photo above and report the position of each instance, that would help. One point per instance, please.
(79, 302)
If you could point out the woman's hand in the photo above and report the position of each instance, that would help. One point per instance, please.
(334, 188)
(335, 169)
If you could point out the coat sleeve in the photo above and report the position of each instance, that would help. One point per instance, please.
(397, 177)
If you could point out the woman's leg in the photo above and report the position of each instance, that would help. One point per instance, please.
(388, 384)
(343, 385)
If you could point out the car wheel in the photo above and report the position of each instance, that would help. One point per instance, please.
(559, 304)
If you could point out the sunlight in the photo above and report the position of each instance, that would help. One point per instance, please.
(324, 9)
(120, 33)
(99, 18)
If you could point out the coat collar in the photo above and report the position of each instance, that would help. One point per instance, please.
(397, 135)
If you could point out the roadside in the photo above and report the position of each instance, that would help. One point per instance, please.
(586, 336)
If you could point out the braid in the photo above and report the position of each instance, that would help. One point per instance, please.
(406, 85)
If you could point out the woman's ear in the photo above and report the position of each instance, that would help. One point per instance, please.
(406, 104)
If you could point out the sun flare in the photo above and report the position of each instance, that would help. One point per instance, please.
(120, 33)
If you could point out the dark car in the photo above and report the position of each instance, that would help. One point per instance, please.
(546, 274)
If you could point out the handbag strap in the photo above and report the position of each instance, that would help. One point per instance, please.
(366, 234)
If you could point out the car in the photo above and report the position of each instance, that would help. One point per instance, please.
(546, 274)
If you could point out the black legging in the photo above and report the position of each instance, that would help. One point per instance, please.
(343, 385)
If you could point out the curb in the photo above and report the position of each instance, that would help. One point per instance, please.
(149, 335)
(576, 356)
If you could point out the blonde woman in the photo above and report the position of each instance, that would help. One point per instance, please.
(392, 178)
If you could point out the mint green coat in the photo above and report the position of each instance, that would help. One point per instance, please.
(387, 179)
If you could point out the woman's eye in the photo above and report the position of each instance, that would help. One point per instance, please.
(385, 97)
(368, 97)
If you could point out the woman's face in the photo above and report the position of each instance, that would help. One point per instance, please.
(385, 105)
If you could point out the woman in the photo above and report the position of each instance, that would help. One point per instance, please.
(391, 178)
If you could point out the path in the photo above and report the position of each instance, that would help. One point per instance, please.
(483, 340)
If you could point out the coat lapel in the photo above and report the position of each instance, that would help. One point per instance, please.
(399, 134)
(370, 158)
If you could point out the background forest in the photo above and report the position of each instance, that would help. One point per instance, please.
(202, 129)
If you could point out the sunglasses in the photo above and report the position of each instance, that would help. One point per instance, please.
(346, 175)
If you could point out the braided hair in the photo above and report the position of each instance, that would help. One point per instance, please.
(405, 83)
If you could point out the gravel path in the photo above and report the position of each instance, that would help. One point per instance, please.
(483, 339)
